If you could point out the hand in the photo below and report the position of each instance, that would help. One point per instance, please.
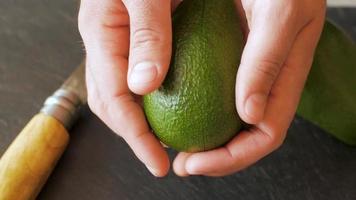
(281, 38)
(128, 45)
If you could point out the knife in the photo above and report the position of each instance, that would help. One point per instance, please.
(30, 159)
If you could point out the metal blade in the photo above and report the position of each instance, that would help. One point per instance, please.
(76, 83)
(64, 103)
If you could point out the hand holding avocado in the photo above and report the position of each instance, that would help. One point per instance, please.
(128, 46)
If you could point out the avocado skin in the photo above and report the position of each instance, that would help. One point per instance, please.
(329, 96)
(194, 109)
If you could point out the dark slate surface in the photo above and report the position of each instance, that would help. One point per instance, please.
(40, 45)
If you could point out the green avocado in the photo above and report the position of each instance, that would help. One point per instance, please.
(329, 96)
(194, 109)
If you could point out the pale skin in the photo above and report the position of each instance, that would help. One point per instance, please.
(128, 45)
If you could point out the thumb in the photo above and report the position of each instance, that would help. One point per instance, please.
(150, 43)
(267, 47)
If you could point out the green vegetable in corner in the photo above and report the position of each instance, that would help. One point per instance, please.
(329, 97)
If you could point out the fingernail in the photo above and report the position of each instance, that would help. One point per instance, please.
(153, 171)
(255, 106)
(191, 169)
(143, 72)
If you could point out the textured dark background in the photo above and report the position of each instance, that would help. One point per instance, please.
(40, 46)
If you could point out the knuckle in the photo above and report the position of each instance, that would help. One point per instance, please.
(91, 105)
(269, 68)
(95, 104)
(82, 22)
(143, 37)
(86, 24)
(86, 15)
(276, 140)
(124, 102)
(94, 17)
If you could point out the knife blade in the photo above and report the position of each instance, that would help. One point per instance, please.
(30, 159)
(65, 102)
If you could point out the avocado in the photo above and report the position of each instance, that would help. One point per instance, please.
(329, 96)
(194, 109)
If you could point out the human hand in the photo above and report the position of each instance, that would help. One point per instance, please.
(281, 38)
(128, 45)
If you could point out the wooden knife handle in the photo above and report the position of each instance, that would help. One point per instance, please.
(28, 162)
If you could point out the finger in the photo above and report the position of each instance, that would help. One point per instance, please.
(106, 40)
(104, 26)
(150, 43)
(251, 145)
(242, 151)
(178, 168)
(268, 44)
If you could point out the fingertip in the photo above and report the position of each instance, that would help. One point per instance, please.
(254, 108)
(200, 163)
(145, 77)
(161, 165)
(192, 167)
(150, 152)
(165, 166)
(179, 164)
(159, 172)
